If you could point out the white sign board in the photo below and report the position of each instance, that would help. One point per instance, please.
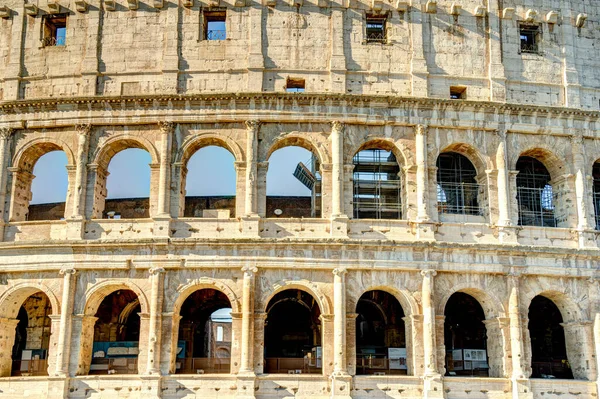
(397, 358)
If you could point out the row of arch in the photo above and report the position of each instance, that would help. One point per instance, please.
(379, 189)
(293, 333)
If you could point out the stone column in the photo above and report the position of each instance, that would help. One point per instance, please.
(259, 342)
(262, 168)
(503, 199)
(83, 140)
(337, 169)
(594, 290)
(5, 136)
(422, 184)
(85, 324)
(247, 320)
(66, 312)
(581, 190)
(251, 208)
(339, 321)
(154, 331)
(164, 195)
(429, 341)
(8, 329)
(516, 331)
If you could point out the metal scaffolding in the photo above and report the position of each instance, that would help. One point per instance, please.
(457, 189)
(377, 185)
(534, 194)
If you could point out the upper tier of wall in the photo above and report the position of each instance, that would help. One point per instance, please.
(160, 50)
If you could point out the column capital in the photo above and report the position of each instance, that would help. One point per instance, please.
(249, 270)
(67, 271)
(420, 129)
(338, 126)
(340, 271)
(576, 139)
(166, 127)
(428, 273)
(84, 129)
(253, 124)
(6, 132)
(501, 133)
(156, 270)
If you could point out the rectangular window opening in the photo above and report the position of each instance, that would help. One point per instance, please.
(376, 32)
(55, 30)
(531, 36)
(214, 25)
(458, 92)
(295, 85)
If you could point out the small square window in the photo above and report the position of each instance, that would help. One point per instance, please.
(458, 92)
(214, 25)
(55, 30)
(295, 85)
(376, 32)
(531, 36)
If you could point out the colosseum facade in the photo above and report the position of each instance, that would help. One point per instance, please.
(450, 247)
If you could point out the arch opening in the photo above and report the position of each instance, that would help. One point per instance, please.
(380, 335)
(547, 337)
(293, 183)
(205, 333)
(209, 188)
(32, 337)
(458, 192)
(127, 193)
(535, 194)
(115, 347)
(49, 187)
(465, 337)
(293, 334)
(377, 185)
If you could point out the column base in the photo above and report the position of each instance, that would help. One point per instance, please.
(250, 226)
(521, 389)
(246, 385)
(586, 238)
(424, 230)
(433, 386)
(162, 226)
(507, 234)
(151, 386)
(341, 385)
(75, 228)
(58, 387)
(339, 226)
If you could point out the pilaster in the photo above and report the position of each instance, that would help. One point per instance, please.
(155, 322)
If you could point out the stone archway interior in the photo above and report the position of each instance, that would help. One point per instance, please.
(465, 337)
(116, 334)
(548, 348)
(293, 334)
(380, 335)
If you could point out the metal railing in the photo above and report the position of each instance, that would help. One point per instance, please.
(54, 41)
(529, 48)
(290, 365)
(377, 199)
(35, 367)
(216, 34)
(118, 365)
(203, 365)
(536, 206)
(458, 198)
(551, 369)
(377, 365)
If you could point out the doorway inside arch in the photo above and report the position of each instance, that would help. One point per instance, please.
(293, 334)
(465, 337)
(204, 343)
(380, 335)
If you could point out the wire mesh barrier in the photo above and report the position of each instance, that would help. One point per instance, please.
(203, 365)
(377, 186)
(117, 365)
(378, 365)
(291, 365)
(458, 198)
(536, 206)
(216, 34)
(53, 41)
(34, 367)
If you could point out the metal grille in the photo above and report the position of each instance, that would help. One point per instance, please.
(216, 34)
(529, 35)
(596, 177)
(376, 29)
(377, 185)
(534, 194)
(457, 189)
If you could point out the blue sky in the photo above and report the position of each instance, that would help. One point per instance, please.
(210, 172)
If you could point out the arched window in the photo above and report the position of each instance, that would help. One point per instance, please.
(380, 335)
(548, 348)
(204, 342)
(116, 334)
(293, 334)
(210, 181)
(534, 194)
(32, 337)
(49, 187)
(465, 337)
(377, 185)
(128, 185)
(293, 184)
(596, 182)
(457, 187)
